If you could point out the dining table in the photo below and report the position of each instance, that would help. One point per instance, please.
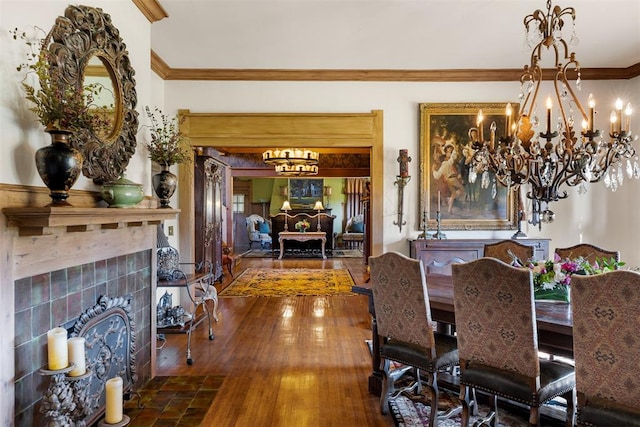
(554, 322)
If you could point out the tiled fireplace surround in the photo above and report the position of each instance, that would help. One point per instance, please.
(55, 264)
(54, 298)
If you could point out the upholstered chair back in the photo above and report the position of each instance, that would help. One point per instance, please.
(606, 344)
(401, 300)
(587, 251)
(495, 316)
(505, 250)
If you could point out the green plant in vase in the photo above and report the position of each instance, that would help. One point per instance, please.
(63, 109)
(168, 146)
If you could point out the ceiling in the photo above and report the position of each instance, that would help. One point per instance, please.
(382, 34)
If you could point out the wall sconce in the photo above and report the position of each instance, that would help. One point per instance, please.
(401, 181)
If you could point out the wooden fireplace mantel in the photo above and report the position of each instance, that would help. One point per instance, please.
(39, 221)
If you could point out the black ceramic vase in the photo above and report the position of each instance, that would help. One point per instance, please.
(164, 184)
(59, 166)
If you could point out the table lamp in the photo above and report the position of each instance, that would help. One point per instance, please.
(286, 207)
(318, 207)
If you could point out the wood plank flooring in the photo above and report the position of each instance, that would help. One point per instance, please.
(293, 361)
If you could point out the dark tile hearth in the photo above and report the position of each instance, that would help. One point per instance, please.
(174, 401)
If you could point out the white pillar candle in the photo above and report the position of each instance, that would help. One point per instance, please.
(57, 348)
(76, 356)
(113, 413)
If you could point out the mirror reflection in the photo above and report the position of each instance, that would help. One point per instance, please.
(97, 75)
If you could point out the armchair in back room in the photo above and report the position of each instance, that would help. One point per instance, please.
(259, 231)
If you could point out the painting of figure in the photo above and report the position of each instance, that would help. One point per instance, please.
(466, 195)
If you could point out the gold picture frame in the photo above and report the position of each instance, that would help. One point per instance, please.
(445, 152)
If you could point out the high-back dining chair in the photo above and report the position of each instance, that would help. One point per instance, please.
(497, 341)
(403, 316)
(506, 250)
(587, 251)
(606, 347)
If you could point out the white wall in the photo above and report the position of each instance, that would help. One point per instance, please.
(600, 217)
(20, 132)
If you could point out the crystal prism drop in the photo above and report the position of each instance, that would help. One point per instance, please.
(629, 169)
(494, 191)
(473, 175)
(620, 175)
(579, 83)
(636, 170)
(582, 189)
(607, 180)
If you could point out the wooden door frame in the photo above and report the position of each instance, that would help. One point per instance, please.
(273, 130)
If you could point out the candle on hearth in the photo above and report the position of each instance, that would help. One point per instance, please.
(57, 348)
(75, 346)
(113, 388)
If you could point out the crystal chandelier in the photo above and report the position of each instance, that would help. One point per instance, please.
(559, 155)
(292, 161)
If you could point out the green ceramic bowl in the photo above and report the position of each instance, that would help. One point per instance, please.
(122, 193)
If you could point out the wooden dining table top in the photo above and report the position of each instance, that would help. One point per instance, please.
(554, 319)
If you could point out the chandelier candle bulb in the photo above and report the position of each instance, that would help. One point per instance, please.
(592, 106)
(613, 118)
(75, 346)
(113, 389)
(549, 107)
(627, 112)
(57, 350)
(479, 122)
(509, 112)
(619, 114)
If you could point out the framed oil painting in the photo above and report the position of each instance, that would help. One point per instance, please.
(304, 192)
(446, 132)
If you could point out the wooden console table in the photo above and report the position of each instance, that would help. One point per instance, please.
(302, 237)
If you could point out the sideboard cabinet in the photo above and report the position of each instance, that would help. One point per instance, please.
(438, 255)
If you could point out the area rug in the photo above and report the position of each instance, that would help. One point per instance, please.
(173, 401)
(270, 282)
(408, 410)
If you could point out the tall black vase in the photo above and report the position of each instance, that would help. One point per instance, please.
(164, 184)
(59, 166)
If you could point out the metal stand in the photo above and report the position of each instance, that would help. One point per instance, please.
(425, 234)
(519, 234)
(66, 401)
(125, 421)
(439, 234)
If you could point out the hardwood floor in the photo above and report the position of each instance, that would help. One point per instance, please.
(294, 361)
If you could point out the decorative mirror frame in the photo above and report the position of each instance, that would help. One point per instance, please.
(84, 32)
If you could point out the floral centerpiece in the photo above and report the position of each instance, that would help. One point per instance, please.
(302, 226)
(168, 144)
(551, 278)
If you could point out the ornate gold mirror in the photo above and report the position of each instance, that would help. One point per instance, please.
(87, 48)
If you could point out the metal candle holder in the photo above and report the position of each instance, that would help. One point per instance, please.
(66, 401)
(425, 234)
(439, 234)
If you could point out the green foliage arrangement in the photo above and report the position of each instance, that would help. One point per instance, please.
(168, 145)
(57, 105)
